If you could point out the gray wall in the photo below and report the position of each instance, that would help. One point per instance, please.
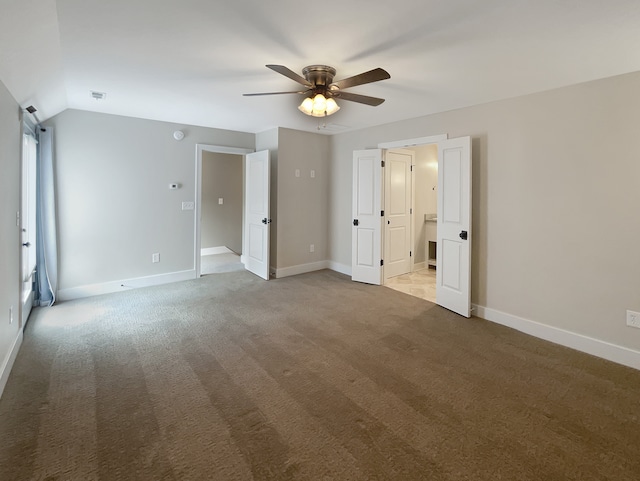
(10, 155)
(115, 207)
(299, 205)
(302, 202)
(555, 203)
(221, 225)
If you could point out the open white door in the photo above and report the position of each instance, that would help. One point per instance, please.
(397, 212)
(453, 275)
(256, 215)
(28, 223)
(366, 236)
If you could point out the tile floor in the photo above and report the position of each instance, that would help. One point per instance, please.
(420, 284)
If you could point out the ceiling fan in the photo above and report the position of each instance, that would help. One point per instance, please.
(321, 91)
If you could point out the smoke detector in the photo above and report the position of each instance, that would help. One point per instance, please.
(97, 95)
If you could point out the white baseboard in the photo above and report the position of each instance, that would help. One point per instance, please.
(209, 251)
(301, 269)
(341, 268)
(419, 266)
(612, 352)
(9, 359)
(117, 286)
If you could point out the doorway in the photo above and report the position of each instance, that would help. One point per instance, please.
(221, 213)
(420, 279)
(453, 237)
(219, 209)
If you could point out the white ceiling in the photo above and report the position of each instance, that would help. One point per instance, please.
(190, 61)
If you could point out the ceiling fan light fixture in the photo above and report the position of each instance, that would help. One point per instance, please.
(306, 107)
(318, 106)
(332, 106)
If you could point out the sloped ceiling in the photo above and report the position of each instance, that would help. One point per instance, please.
(190, 61)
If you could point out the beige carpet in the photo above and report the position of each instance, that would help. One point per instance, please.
(218, 263)
(312, 377)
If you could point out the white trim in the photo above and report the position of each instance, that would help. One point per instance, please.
(209, 251)
(418, 266)
(301, 269)
(432, 139)
(606, 350)
(117, 286)
(197, 214)
(338, 267)
(9, 359)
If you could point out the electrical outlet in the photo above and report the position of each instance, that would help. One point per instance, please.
(188, 205)
(155, 257)
(312, 248)
(633, 319)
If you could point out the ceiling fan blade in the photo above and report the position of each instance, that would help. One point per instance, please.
(361, 99)
(374, 75)
(282, 70)
(276, 93)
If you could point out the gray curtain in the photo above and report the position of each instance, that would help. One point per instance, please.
(46, 239)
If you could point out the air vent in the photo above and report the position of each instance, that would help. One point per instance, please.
(97, 95)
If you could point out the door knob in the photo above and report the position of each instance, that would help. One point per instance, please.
(463, 235)
(266, 221)
(355, 222)
(27, 244)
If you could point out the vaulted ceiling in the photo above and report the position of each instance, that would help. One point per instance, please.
(190, 61)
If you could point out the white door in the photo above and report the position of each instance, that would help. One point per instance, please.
(397, 212)
(453, 275)
(256, 215)
(28, 223)
(366, 234)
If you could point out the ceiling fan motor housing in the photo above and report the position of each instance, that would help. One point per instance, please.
(320, 76)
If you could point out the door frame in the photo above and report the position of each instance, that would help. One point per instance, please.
(408, 143)
(197, 211)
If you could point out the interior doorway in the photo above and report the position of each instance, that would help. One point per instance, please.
(221, 213)
(420, 280)
(452, 258)
(219, 209)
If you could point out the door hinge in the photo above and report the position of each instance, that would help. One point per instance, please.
(381, 213)
(382, 163)
(411, 210)
(412, 168)
(409, 253)
(381, 262)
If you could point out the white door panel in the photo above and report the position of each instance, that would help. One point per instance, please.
(397, 210)
(366, 252)
(257, 216)
(453, 274)
(28, 223)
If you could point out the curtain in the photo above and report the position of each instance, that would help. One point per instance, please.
(46, 243)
